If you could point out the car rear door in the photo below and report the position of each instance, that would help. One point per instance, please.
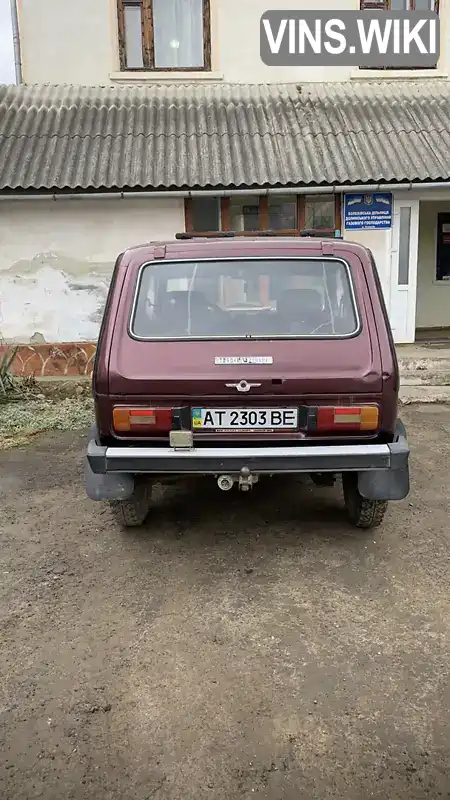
(250, 375)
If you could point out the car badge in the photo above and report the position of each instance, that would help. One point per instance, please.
(242, 360)
(242, 386)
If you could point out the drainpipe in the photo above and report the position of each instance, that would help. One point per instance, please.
(16, 41)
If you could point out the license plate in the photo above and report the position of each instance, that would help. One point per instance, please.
(232, 419)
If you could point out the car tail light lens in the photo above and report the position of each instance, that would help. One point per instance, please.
(349, 418)
(141, 420)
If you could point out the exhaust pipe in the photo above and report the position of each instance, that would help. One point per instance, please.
(225, 482)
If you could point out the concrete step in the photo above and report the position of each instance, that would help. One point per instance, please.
(414, 360)
(425, 379)
(424, 394)
(423, 350)
(424, 367)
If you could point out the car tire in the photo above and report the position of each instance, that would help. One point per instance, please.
(133, 512)
(361, 512)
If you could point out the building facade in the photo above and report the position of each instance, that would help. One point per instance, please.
(137, 119)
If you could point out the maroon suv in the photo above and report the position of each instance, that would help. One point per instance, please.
(242, 358)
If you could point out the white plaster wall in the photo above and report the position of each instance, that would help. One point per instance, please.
(433, 297)
(76, 42)
(68, 41)
(56, 260)
(239, 42)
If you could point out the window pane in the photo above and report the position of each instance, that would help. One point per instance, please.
(205, 214)
(400, 5)
(282, 214)
(404, 246)
(133, 36)
(245, 299)
(244, 214)
(178, 29)
(424, 5)
(319, 213)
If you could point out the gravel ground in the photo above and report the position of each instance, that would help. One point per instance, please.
(237, 647)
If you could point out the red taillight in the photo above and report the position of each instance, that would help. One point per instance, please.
(141, 420)
(350, 418)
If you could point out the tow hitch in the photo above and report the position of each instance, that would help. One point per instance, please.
(245, 480)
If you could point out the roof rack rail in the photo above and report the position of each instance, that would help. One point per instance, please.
(306, 232)
(209, 235)
(226, 234)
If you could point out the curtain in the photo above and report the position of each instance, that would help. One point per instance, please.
(178, 29)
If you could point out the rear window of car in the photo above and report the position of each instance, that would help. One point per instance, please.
(245, 299)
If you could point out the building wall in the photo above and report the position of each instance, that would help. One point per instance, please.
(76, 42)
(68, 42)
(56, 261)
(433, 297)
(239, 44)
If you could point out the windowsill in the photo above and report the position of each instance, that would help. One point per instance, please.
(441, 282)
(397, 74)
(128, 76)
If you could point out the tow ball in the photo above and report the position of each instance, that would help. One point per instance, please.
(245, 480)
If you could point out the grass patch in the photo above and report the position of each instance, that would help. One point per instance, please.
(25, 418)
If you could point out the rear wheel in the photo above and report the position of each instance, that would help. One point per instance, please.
(133, 512)
(361, 512)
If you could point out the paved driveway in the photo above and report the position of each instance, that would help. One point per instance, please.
(239, 647)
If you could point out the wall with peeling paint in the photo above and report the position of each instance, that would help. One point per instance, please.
(56, 261)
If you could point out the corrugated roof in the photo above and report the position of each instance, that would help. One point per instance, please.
(223, 135)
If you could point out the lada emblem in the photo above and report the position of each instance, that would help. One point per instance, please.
(242, 386)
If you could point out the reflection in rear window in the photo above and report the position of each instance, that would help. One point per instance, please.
(260, 298)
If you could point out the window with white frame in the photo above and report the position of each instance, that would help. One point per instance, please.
(164, 34)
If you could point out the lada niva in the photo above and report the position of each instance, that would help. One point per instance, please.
(242, 358)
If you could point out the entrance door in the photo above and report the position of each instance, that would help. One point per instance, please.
(402, 302)
(443, 248)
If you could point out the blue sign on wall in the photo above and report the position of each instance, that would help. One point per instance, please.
(368, 211)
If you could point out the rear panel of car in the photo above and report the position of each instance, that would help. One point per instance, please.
(193, 376)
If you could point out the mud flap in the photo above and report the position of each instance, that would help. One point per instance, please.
(384, 484)
(112, 486)
(393, 483)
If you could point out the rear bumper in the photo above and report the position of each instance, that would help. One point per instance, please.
(383, 469)
(210, 461)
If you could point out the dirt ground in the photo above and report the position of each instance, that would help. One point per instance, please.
(238, 647)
